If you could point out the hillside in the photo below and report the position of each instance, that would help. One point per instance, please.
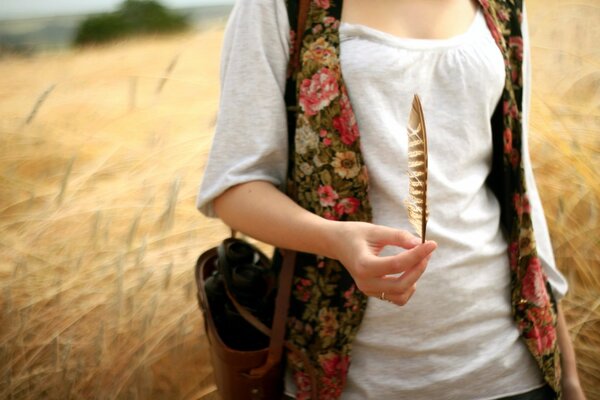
(30, 35)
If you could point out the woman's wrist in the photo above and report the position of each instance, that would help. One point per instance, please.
(328, 238)
(570, 379)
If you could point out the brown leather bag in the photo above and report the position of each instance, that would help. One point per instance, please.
(258, 374)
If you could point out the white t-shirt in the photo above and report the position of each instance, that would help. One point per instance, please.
(456, 337)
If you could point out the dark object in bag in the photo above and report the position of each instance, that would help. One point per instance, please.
(244, 368)
(246, 272)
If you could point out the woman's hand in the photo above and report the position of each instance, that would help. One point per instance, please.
(358, 246)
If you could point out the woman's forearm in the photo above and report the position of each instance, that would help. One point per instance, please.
(570, 379)
(260, 210)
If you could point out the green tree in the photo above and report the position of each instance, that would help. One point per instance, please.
(133, 17)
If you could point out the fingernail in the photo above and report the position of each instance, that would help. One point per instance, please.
(415, 241)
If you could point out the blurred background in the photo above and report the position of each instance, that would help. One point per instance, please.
(106, 117)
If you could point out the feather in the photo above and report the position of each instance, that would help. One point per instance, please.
(416, 201)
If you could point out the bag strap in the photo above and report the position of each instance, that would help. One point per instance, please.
(303, 9)
(282, 303)
(277, 332)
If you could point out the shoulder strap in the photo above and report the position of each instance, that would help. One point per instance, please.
(298, 15)
(277, 332)
(303, 7)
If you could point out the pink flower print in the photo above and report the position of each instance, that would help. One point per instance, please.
(516, 43)
(330, 216)
(323, 3)
(542, 333)
(317, 92)
(302, 290)
(327, 196)
(351, 301)
(507, 137)
(534, 287)
(526, 204)
(502, 15)
(509, 109)
(521, 204)
(333, 364)
(326, 140)
(303, 384)
(515, 75)
(348, 205)
(345, 123)
(517, 204)
(350, 292)
(329, 20)
(330, 388)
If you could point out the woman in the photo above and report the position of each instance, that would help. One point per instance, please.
(455, 337)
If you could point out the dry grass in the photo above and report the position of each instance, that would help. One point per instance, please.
(101, 154)
(99, 231)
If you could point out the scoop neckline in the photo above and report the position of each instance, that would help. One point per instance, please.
(351, 30)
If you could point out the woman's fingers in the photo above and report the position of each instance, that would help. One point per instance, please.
(396, 286)
(374, 266)
(400, 284)
(401, 299)
(384, 236)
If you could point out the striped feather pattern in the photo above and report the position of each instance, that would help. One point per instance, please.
(416, 202)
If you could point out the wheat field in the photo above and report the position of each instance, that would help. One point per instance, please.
(102, 150)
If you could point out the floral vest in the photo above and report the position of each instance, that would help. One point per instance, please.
(328, 177)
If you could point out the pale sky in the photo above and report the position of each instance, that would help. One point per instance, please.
(10, 9)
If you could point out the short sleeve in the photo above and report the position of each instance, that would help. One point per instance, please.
(250, 139)
(544, 247)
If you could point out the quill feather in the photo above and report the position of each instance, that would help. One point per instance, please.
(416, 201)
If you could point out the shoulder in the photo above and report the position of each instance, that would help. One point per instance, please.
(260, 9)
(267, 19)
